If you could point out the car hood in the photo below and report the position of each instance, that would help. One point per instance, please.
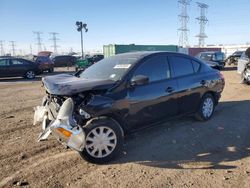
(66, 84)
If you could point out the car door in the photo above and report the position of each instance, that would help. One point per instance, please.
(18, 67)
(186, 71)
(156, 100)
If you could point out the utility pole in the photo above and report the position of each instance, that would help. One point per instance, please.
(1, 47)
(12, 44)
(54, 39)
(202, 19)
(39, 40)
(184, 18)
(80, 26)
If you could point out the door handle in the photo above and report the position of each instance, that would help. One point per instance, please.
(169, 90)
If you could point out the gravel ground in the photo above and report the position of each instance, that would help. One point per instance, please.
(178, 153)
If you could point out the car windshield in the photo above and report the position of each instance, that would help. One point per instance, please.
(206, 56)
(238, 53)
(112, 68)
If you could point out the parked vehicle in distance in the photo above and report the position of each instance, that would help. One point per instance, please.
(64, 61)
(45, 63)
(92, 110)
(215, 60)
(243, 67)
(233, 59)
(13, 67)
(82, 64)
(97, 57)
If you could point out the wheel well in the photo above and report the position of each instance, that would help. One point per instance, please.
(106, 117)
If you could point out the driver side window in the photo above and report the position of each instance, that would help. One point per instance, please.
(156, 69)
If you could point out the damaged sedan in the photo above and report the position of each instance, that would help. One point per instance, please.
(92, 110)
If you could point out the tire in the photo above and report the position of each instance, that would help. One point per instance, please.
(206, 108)
(111, 133)
(30, 74)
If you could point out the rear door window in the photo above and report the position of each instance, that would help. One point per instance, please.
(181, 66)
(155, 68)
(16, 62)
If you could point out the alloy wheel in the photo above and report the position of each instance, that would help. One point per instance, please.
(30, 74)
(207, 108)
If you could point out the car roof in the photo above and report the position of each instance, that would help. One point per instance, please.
(142, 54)
(210, 52)
(17, 58)
(64, 56)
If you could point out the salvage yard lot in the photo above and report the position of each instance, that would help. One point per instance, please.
(178, 153)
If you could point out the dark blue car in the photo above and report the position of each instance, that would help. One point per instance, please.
(13, 67)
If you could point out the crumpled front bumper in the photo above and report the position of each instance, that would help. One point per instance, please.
(64, 128)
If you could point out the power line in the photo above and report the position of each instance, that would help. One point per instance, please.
(2, 47)
(12, 44)
(54, 39)
(39, 40)
(184, 18)
(202, 21)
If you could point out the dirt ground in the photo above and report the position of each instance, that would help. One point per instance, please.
(178, 153)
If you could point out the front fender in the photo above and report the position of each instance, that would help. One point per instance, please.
(98, 106)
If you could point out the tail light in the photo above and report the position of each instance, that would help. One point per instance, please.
(221, 76)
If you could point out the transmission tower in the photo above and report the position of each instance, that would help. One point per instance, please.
(39, 40)
(1, 47)
(31, 50)
(54, 39)
(202, 21)
(184, 18)
(12, 44)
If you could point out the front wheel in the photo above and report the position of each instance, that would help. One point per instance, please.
(30, 74)
(104, 140)
(206, 108)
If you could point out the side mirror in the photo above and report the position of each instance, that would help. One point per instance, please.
(139, 80)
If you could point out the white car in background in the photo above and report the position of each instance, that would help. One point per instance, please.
(243, 60)
(243, 68)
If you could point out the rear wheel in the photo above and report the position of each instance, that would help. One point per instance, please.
(206, 108)
(104, 139)
(30, 74)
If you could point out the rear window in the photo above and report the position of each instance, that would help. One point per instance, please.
(219, 57)
(196, 66)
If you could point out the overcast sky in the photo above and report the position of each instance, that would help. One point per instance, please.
(121, 22)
